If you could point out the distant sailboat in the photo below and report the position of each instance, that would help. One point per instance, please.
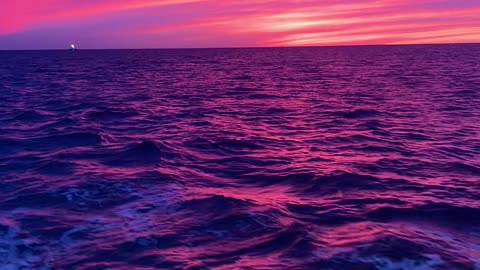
(72, 47)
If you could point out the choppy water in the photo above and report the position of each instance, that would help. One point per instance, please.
(316, 158)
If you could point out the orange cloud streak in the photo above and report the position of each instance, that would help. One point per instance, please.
(257, 22)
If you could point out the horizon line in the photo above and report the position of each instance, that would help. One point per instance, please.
(249, 47)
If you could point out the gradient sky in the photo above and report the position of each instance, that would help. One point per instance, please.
(48, 24)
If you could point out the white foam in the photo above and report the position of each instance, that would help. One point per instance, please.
(9, 267)
(10, 257)
(387, 264)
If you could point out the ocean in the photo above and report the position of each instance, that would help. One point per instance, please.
(350, 158)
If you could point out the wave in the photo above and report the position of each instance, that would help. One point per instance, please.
(140, 154)
(358, 113)
(340, 181)
(54, 167)
(463, 167)
(287, 239)
(32, 116)
(353, 158)
(108, 115)
(294, 179)
(324, 216)
(223, 144)
(63, 141)
(442, 213)
(217, 204)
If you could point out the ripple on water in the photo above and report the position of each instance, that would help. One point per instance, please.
(292, 158)
(140, 154)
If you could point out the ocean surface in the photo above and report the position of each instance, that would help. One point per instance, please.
(350, 158)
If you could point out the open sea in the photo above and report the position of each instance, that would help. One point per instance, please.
(338, 158)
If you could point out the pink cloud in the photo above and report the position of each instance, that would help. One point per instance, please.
(153, 23)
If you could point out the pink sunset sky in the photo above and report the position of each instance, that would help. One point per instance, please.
(49, 24)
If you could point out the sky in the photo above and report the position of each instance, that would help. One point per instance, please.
(94, 24)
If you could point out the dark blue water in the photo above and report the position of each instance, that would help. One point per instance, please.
(356, 158)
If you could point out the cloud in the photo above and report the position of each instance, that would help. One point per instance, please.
(154, 23)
